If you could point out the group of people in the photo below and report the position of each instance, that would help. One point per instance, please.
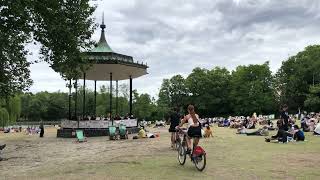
(28, 131)
(287, 129)
(106, 118)
(310, 123)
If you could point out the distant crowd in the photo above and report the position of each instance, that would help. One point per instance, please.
(284, 129)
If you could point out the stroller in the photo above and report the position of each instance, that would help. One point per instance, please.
(123, 132)
(112, 133)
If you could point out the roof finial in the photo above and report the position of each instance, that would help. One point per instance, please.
(102, 26)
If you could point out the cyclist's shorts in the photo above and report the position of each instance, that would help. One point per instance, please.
(194, 131)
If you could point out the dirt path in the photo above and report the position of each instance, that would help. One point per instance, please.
(30, 154)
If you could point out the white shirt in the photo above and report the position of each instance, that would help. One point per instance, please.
(190, 121)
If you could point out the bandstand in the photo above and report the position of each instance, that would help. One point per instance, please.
(105, 65)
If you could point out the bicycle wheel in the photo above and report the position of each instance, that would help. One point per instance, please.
(200, 162)
(177, 144)
(182, 155)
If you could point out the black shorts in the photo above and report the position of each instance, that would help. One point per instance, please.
(194, 132)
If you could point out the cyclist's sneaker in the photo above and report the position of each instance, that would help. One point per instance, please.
(2, 147)
(188, 151)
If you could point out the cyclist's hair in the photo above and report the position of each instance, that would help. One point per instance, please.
(192, 113)
(284, 106)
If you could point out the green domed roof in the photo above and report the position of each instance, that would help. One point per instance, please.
(102, 45)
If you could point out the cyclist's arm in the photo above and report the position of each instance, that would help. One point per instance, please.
(184, 120)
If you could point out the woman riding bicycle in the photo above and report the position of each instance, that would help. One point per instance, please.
(194, 128)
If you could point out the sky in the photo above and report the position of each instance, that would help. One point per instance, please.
(175, 36)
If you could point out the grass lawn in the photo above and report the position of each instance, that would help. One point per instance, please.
(229, 156)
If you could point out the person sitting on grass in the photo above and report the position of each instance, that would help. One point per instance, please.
(317, 130)
(283, 124)
(142, 133)
(312, 124)
(241, 130)
(226, 122)
(251, 124)
(208, 132)
(260, 132)
(298, 135)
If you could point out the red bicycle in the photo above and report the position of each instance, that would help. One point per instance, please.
(198, 155)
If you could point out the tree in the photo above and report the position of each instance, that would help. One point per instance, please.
(4, 117)
(142, 106)
(57, 106)
(164, 100)
(14, 108)
(296, 75)
(209, 91)
(217, 92)
(64, 29)
(312, 103)
(15, 31)
(252, 90)
(25, 105)
(197, 84)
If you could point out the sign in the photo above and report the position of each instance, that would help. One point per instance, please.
(98, 124)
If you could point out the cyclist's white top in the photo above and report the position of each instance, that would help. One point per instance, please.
(190, 121)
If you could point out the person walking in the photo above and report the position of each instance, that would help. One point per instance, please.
(41, 130)
(174, 121)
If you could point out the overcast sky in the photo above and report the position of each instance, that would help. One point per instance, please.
(175, 36)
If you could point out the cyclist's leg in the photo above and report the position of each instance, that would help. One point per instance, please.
(172, 138)
(188, 142)
(195, 141)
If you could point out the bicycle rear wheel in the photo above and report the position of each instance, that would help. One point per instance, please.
(182, 155)
(200, 162)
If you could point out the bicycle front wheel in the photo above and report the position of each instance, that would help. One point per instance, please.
(200, 162)
(182, 155)
(177, 144)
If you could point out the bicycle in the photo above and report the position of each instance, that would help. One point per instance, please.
(198, 155)
(177, 140)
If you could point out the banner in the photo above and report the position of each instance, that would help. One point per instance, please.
(98, 124)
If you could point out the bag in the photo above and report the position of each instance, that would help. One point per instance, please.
(198, 151)
(202, 133)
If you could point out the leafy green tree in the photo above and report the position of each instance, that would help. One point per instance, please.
(14, 108)
(25, 105)
(15, 31)
(64, 29)
(296, 75)
(142, 106)
(312, 103)
(178, 90)
(164, 99)
(217, 92)
(209, 91)
(4, 117)
(57, 106)
(251, 90)
(36, 109)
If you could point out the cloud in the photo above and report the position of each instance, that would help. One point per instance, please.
(174, 37)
